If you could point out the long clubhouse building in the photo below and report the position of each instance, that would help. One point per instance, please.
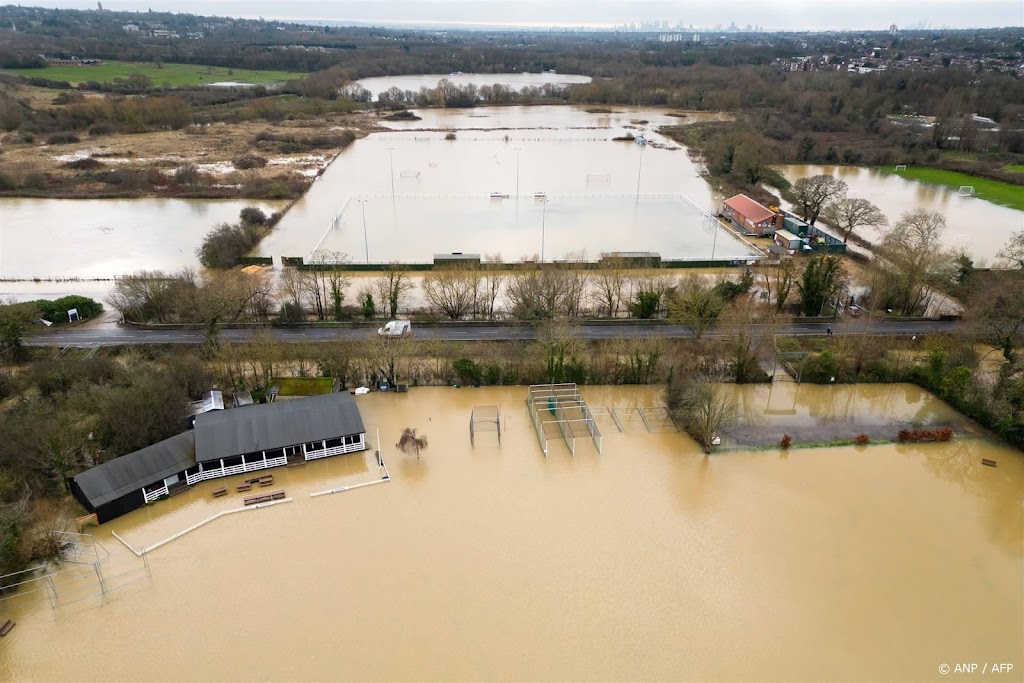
(223, 443)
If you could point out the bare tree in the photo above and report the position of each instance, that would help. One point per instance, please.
(491, 284)
(292, 290)
(779, 280)
(1013, 253)
(849, 213)
(752, 326)
(813, 193)
(695, 303)
(609, 284)
(703, 407)
(997, 313)
(392, 288)
(912, 256)
(453, 291)
(325, 284)
(410, 442)
(145, 296)
(537, 293)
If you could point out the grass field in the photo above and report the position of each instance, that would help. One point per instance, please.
(989, 190)
(302, 386)
(1016, 168)
(169, 75)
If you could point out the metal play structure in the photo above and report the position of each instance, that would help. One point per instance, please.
(485, 420)
(559, 411)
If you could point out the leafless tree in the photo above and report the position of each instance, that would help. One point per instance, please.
(410, 442)
(850, 213)
(912, 256)
(392, 287)
(695, 303)
(453, 291)
(778, 281)
(702, 406)
(1013, 253)
(813, 193)
(610, 280)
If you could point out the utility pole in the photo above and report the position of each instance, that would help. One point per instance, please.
(638, 170)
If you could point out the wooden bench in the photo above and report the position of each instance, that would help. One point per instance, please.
(222, 491)
(264, 498)
(277, 495)
(243, 487)
(267, 481)
(6, 628)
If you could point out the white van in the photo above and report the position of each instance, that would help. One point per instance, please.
(396, 328)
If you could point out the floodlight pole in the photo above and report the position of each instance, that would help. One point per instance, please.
(391, 159)
(543, 221)
(639, 169)
(517, 149)
(366, 243)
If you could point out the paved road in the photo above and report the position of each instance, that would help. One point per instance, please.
(122, 336)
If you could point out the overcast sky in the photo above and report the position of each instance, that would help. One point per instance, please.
(771, 14)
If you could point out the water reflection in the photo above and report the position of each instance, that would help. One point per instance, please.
(980, 227)
(598, 565)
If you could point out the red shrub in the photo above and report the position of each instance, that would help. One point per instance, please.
(925, 435)
(786, 441)
(863, 439)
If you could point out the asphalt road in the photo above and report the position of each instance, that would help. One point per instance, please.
(126, 336)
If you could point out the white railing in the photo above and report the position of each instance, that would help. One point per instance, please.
(336, 450)
(218, 472)
(150, 496)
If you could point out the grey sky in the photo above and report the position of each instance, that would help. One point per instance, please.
(771, 14)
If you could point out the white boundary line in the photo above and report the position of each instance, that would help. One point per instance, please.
(195, 526)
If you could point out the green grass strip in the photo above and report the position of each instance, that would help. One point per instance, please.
(993, 191)
(173, 75)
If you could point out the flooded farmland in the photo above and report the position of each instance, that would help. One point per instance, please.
(515, 81)
(978, 227)
(648, 561)
(103, 238)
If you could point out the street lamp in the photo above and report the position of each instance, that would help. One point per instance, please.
(638, 170)
(391, 159)
(366, 243)
(543, 220)
(517, 149)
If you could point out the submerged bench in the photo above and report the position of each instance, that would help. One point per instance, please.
(6, 628)
(244, 487)
(222, 491)
(264, 498)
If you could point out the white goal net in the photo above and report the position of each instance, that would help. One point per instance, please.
(966, 191)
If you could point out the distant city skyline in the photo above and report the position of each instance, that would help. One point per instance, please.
(770, 15)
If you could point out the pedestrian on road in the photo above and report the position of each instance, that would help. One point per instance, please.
(828, 331)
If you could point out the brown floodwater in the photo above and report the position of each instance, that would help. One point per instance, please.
(648, 561)
(977, 227)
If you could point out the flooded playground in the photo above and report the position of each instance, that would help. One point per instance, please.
(644, 561)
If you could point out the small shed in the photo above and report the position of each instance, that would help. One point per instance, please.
(787, 240)
(748, 216)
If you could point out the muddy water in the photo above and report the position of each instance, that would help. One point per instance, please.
(516, 81)
(978, 227)
(103, 238)
(647, 562)
(561, 151)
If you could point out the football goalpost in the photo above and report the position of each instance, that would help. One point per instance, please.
(966, 191)
(599, 178)
(901, 167)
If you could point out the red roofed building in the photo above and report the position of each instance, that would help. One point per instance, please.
(749, 216)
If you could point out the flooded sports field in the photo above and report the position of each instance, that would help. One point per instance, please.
(976, 227)
(646, 561)
(427, 194)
